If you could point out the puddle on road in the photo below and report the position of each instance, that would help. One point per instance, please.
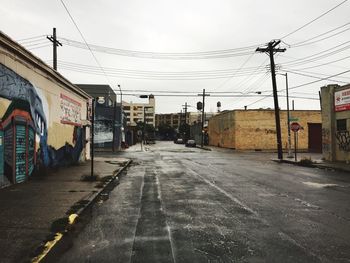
(319, 185)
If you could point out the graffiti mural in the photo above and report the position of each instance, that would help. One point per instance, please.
(23, 121)
(343, 139)
(70, 110)
(326, 140)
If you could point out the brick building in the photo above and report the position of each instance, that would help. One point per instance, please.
(255, 129)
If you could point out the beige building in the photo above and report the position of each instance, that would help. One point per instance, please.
(171, 119)
(43, 116)
(140, 112)
(255, 129)
(336, 122)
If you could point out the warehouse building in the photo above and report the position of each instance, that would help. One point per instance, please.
(256, 130)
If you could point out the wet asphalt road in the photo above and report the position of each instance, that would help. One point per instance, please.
(178, 204)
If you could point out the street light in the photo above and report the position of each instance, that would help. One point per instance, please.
(288, 117)
(121, 116)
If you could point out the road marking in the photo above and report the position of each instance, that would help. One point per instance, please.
(319, 185)
(166, 222)
(234, 199)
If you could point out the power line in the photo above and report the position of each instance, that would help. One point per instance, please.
(311, 76)
(82, 36)
(315, 19)
(225, 53)
(325, 64)
(307, 42)
(312, 82)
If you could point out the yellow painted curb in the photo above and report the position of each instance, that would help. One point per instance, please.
(50, 244)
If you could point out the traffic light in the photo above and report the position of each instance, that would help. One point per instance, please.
(199, 105)
(143, 96)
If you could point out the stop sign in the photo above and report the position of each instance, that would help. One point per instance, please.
(294, 126)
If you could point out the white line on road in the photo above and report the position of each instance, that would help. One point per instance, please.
(234, 199)
(166, 222)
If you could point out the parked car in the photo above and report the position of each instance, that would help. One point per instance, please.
(179, 141)
(191, 143)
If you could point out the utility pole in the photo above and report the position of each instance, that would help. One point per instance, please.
(271, 50)
(185, 108)
(55, 43)
(203, 114)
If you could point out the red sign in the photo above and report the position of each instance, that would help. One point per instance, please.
(294, 126)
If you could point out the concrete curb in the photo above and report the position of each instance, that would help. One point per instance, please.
(313, 165)
(203, 148)
(47, 251)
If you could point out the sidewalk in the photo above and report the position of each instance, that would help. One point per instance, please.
(31, 211)
(315, 160)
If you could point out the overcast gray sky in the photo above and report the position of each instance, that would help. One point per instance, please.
(189, 26)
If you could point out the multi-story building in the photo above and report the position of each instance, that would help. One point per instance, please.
(140, 112)
(171, 119)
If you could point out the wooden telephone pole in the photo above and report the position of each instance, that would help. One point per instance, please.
(271, 50)
(55, 43)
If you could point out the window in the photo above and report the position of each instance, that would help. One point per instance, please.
(341, 125)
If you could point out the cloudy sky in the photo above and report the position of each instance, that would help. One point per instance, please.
(175, 49)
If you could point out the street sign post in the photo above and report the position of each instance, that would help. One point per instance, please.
(295, 127)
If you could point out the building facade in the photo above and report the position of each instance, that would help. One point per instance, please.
(140, 112)
(109, 131)
(43, 116)
(171, 119)
(335, 105)
(256, 130)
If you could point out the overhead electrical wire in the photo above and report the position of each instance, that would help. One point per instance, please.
(308, 42)
(225, 53)
(319, 55)
(86, 44)
(313, 20)
(315, 77)
(161, 75)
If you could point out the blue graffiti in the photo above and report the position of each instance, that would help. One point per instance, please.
(13, 86)
(20, 91)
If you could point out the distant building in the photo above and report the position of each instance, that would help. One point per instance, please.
(256, 130)
(109, 128)
(171, 119)
(135, 112)
(335, 107)
(175, 119)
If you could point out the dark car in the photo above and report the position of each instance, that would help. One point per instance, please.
(179, 141)
(191, 143)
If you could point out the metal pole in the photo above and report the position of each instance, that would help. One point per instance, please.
(288, 121)
(203, 119)
(144, 124)
(295, 146)
(121, 117)
(92, 135)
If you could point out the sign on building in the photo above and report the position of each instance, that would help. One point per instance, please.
(70, 110)
(342, 100)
